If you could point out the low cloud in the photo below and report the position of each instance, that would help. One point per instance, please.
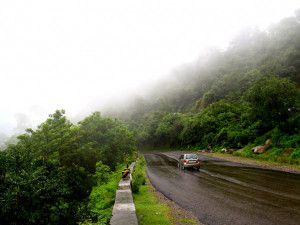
(23, 122)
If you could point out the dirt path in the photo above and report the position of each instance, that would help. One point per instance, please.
(252, 162)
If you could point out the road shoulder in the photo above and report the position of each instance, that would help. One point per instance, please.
(166, 208)
(152, 207)
(255, 163)
(178, 215)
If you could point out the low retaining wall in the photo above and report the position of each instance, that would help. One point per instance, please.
(124, 210)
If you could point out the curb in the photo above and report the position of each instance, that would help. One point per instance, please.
(124, 212)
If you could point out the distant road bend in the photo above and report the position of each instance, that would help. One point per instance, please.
(228, 193)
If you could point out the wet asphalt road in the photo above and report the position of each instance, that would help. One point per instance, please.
(229, 193)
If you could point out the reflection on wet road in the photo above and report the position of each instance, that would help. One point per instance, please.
(227, 193)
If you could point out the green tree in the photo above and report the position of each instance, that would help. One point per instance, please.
(32, 190)
(169, 129)
(55, 136)
(272, 99)
(145, 132)
(47, 177)
(110, 138)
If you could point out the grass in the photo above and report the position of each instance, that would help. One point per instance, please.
(187, 221)
(263, 159)
(148, 208)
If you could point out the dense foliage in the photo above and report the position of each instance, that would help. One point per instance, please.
(47, 177)
(139, 175)
(246, 94)
(102, 197)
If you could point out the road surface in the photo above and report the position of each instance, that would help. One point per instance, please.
(229, 193)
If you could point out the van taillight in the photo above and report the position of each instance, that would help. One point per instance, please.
(198, 160)
(184, 160)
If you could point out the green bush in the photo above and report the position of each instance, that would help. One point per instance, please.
(102, 197)
(247, 151)
(296, 154)
(137, 182)
(138, 177)
(275, 152)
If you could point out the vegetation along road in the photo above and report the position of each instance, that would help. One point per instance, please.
(224, 192)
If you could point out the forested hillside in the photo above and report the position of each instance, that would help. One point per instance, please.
(246, 94)
(48, 176)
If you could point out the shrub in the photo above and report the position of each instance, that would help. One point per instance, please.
(296, 154)
(102, 198)
(138, 177)
(275, 152)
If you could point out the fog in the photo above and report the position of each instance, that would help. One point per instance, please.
(83, 56)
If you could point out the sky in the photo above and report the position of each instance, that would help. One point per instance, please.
(76, 55)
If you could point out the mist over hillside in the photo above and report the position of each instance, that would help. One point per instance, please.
(228, 84)
(217, 74)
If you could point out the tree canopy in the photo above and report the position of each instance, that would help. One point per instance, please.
(47, 177)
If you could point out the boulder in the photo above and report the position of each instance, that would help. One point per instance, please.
(227, 150)
(260, 148)
(201, 150)
(268, 142)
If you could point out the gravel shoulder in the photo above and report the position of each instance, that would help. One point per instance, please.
(255, 163)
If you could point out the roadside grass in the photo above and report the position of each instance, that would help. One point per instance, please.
(149, 208)
(262, 159)
(286, 157)
(187, 221)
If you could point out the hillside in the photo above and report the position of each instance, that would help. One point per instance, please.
(244, 95)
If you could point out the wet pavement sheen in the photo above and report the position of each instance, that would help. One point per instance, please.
(229, 193)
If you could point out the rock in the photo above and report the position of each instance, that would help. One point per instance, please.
(268, 142)
(258, 149)
(227, 150)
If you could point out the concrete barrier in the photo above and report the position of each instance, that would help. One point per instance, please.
(124, 212)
